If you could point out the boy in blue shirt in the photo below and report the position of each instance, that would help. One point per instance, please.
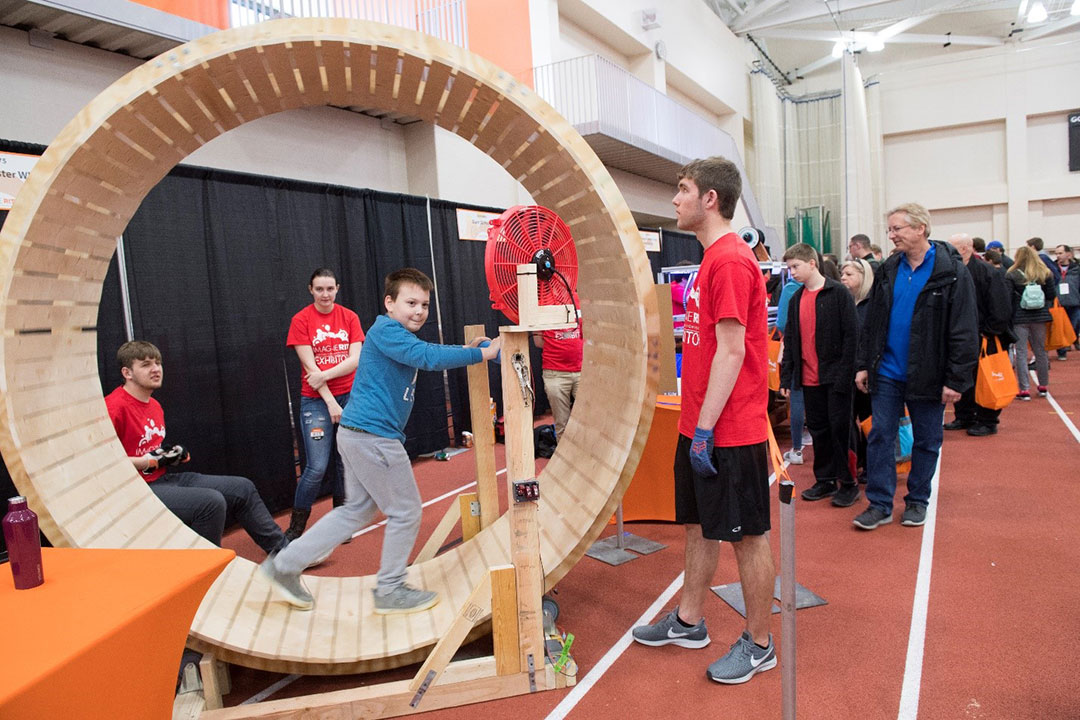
(378, 473)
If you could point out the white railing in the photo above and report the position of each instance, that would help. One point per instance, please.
(598, 96)
(444, 19)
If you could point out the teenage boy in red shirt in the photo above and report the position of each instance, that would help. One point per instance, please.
(562, 351)
(819, 358)
(202, 502)
(721, 465)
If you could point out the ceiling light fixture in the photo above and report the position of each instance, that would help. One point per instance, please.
(1037, 13)
(1075, 9)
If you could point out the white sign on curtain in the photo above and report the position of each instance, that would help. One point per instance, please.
(473, 224)
(651, 239)
(14, 169)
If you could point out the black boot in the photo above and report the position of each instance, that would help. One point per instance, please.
(297, 524)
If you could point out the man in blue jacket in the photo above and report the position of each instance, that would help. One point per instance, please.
(378, 473)
(919, 348)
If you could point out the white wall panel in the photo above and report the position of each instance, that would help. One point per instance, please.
(947, 167)
(1048, 158)
(975, 221)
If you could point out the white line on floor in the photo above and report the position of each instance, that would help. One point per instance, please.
(1061, 413)
(442, 497)
(909, 694)
(285, 681)
(593, 676)
(263, 694)
(585, 684)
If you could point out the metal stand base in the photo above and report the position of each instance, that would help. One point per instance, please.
(613, 550)
(732, 595)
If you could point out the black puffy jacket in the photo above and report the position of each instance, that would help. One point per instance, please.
(944, 345)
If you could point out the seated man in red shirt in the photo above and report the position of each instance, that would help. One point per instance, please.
(202, 502)
(561, 365)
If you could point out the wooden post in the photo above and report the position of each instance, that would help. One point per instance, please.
(504, 620)
(470, 524)
(215, 681)
(524, 526)
(483, 435)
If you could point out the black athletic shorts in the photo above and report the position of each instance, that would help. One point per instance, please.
(734, 502)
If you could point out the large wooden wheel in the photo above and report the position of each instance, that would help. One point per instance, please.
(58, 239)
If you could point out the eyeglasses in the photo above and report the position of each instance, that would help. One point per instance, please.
(897, 228)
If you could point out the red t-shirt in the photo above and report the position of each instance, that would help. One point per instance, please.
(139, 425)
(562, 349)
(729, 285)
(329, 336)
(808, 336)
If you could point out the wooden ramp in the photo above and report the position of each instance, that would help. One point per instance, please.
(58, 239)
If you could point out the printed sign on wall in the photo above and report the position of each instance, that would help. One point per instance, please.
(473, 224)
(651, 238)
(14, 169)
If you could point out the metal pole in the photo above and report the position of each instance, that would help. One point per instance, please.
(787, 598)
(438, 320)
(125, 296)
(618, 526)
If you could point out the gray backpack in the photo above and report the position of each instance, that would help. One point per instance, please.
(1032, 298)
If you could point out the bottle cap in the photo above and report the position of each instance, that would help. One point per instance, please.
(17, 499)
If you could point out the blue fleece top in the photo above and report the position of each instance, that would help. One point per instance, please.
(782, 305)
(909, 283)
(384, 388)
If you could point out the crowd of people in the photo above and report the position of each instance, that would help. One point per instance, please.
(904, 341)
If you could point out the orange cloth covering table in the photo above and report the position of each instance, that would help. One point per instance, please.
(651, 495)
(103, 636)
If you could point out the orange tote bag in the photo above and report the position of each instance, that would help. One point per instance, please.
(774, 360)
(1059, 331)
(995, 382)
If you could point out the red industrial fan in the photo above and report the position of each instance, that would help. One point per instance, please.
(531, 234)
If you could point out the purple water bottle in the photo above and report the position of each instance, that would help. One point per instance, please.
(23, 544)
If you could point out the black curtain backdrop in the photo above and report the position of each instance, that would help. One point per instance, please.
(218, 262)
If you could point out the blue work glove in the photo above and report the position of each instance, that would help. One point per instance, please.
(701, 452)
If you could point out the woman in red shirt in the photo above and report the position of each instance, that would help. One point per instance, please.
(327, 338)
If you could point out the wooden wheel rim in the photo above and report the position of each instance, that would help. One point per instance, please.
(60, 235)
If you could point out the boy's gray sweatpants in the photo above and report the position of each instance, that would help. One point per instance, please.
(378, 476)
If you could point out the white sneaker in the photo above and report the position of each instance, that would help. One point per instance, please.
(794, 457)
(807, 439)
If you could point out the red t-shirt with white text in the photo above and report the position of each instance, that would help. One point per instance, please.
(139, 425)
(729, 285)
(808, 336)
(329, 336)
(563, 349)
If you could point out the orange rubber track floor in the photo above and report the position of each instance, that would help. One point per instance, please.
(988, 632)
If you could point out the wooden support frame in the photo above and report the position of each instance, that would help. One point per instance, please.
(483, 434)
(60, 234)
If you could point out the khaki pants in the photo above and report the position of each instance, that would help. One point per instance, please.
(561, 388)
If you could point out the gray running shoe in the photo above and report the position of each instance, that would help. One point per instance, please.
(405, 599)
(669, 631)
(871, 517)
(914, 515)
(290, 587)
(743, 661)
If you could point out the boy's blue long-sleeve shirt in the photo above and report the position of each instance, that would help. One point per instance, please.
(384, 388)
(782, 306)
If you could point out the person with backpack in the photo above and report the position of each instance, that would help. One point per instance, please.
(1033, 294)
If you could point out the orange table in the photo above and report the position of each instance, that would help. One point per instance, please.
(102, 638)
(651, 495)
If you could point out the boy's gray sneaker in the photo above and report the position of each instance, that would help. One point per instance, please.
(669, 631)
(290, 587)
(405, 599)
(742, 661)
(871, 517)
(914, 515)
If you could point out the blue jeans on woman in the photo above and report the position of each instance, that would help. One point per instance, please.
(320, 444)
(888, 403)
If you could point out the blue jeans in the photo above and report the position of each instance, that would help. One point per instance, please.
(797, 411)
(888, 403)
(320, 444)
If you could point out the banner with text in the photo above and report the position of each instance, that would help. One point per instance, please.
(14, 169)
(473, 224)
